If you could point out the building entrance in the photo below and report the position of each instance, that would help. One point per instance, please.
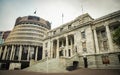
(85, 62)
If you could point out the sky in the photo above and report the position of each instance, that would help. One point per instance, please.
(52, 10)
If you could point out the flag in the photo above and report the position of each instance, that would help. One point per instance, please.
(34, 12)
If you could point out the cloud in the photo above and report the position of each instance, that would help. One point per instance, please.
(52, 10)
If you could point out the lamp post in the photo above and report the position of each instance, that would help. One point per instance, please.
(85, 61)
(46, 54)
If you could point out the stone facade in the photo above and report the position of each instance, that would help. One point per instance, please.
(84, 39)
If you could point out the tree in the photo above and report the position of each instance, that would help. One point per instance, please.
(116, 36)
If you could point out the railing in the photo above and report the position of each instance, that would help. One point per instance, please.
(69, 60)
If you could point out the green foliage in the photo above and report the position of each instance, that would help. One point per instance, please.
(116, 36)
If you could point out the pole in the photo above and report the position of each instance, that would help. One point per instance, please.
(62, 18)
(47, 60)
(82, 8)
(47, 64)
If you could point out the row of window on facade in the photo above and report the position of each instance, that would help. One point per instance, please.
(28, 38)
(38, 24)
(33, 30)
(102, 32)
(33, 34)
(15, 54)
(61, 29)
(26, 26)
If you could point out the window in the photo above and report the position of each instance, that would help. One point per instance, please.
(8, 52)
(103, 33)
(61, 29)
(69, 26)
(84, 47)
(61, 53)
(115, 27)
(16, 52)
(64, 43)
(105, 60)
(69, 52)
(24, 53)
(69, 42)
(119, 58)
(33, 18)
(54, 32)
(32, 53)
(60, 44)
(83, 34)
(105, 45)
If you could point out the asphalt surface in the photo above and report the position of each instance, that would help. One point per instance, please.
(75, 72)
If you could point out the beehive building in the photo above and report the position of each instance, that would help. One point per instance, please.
(25, 42)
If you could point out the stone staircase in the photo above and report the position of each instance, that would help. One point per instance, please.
(48, 66)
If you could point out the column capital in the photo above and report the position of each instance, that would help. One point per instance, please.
(106, 24)
(66, 35)
(94, 28)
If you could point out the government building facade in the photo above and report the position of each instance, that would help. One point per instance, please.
(33, 46)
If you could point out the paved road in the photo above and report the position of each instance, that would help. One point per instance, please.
(76, 72)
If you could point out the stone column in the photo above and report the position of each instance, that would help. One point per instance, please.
(0, 51)
(28, 55)
(43, 53)
(72, 43)
(64, 52)
(71, 46)
(96, 41)
(109, 38)
(36, 54)
(67, 46)
(20, 53)
(12, 58)
(11, 54)
(51, 48)
(4, 53)
(57, 48)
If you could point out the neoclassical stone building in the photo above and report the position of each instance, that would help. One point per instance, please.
(88, 39)
(84, 39)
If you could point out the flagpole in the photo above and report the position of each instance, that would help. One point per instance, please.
(82, 8)
(47, 64)
(62, 18)
(35, 12)
(47, 61)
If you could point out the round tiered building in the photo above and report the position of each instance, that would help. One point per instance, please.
(24, 43)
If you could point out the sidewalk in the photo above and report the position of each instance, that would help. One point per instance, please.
(76, 72)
